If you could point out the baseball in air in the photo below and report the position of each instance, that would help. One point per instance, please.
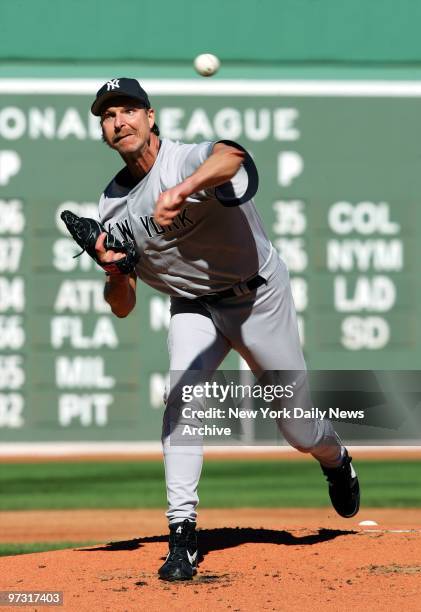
(207, 64)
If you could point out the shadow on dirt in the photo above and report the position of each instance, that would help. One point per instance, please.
(219, 539)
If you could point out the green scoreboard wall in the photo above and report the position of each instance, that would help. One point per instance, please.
(340, 182)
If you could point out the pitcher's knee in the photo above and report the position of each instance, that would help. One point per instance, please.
(305, 443)
(303, 448)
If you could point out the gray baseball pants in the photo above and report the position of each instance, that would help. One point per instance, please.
(262, 327)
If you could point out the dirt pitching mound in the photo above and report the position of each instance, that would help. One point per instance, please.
(276, 559)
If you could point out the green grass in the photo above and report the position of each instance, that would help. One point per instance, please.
(7, 550)
(223, 484)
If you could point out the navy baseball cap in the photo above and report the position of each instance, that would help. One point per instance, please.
(129, 88)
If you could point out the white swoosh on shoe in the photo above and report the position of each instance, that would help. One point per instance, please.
(192, 558)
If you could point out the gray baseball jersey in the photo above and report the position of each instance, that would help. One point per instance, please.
(209, 247)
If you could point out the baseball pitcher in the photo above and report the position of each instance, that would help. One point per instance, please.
(181, 218)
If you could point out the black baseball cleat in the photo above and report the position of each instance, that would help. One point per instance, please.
(181, 560)
(344, 488)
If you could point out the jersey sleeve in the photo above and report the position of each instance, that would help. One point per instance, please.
(241, 188)
(186, 159)
(243, 185)
(196, 155)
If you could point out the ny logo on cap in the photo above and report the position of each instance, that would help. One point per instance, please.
(113, 84)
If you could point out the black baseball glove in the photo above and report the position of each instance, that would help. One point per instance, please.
(85, 232)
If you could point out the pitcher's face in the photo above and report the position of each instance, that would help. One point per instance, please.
(127, 127)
